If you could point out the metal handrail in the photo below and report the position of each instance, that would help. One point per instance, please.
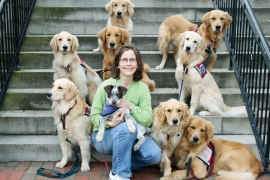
(250, 59)
(15, 17)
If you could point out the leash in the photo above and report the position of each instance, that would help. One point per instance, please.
(182, 82)
(74, 169)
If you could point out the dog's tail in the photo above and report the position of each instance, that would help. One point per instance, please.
(146, 68)
(234, 111)
(236, 175)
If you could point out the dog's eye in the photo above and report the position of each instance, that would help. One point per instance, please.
(202, 130)
(119, 95)
(60, 87)
(195, 41)
(108, 34)
(187, 38)
(115, 5)
(69, 39)
(60, 39)
(221, 19)
(117, 35)
(213, 19)
(124, 5)
(192, 127)
(179, 110)
(168, 110)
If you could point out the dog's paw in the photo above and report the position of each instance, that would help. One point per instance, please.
(85, 168)
(96, 50)
(220, 172)
(99, 138)
(159, 67)
(136, 147)
(132, 129)
(60, 165)
(203, 113)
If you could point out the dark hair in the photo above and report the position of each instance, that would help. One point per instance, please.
(115, 72)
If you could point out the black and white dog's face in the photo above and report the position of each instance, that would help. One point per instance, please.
(114, 94)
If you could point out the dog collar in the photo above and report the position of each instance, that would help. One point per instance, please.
(213, 42)
(196, 29)
(63, 117)
(108, 109)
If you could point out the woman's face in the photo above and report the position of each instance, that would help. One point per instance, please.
(128, 64)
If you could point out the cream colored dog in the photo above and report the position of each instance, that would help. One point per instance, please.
(120, 12)
(67, 63)
(198, 82)
(71, 116)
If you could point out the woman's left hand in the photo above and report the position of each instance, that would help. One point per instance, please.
(125, 103)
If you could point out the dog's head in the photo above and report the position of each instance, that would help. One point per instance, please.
(114, 94)
(63, 89)
(64, 42)
(199, 130)
(191, 42)
(113, 37)
(170, 113)
(217, 20)
(119, 8)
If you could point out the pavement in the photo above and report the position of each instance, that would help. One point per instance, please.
(28, 171)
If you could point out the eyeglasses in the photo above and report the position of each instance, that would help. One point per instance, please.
(132, 61)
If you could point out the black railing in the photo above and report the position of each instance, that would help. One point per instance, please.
(15, 16)
(250, 57)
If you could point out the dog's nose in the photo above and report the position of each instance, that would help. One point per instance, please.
(65, 47)
(119, 13)
(195, 139)
(188, 48)
(49, 94)
(113, 102)
(175, 121)
(218, 27)
(112, 44)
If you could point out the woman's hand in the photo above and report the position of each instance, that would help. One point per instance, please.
(125, 103)
(117, 119)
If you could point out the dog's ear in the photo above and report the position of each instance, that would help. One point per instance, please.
(75, 44)
(205, 20)
(159, 116)
(187, 122)
(130, 8)
(209, 130)
(122, 89)
(109, 8)
(125, 35)
(201, 46)
(186, 111)
(71, 92)
(53, 43)
(108, 88)
(102, 35)
(228, 20)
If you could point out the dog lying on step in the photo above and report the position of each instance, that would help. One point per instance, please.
(114, 96)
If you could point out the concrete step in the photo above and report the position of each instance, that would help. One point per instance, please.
(164, 78)
(93, 27)
(41, 122)
(35, 99)
(137, 3)
(47, 147)
(43, 60)
(89, 42)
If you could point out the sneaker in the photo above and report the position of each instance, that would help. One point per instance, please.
(116, 177)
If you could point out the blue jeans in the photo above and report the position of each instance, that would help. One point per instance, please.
(119, 142)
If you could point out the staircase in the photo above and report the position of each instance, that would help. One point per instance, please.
(27, 130)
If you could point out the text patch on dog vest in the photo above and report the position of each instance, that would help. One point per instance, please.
(206, 155)
(201, 69)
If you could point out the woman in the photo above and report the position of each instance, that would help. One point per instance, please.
(127, 71)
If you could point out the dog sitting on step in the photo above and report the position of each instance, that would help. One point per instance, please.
(113, 98)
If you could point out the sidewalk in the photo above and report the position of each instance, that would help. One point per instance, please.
(28, 171)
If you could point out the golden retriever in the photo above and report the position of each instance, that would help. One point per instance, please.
(230, 160)
(212, 30)
(198, 82)
(113, 38)
(120, 12)
(169, 117)
(67, 63)
(71, 116)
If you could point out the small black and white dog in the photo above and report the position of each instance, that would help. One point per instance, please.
(114, 96)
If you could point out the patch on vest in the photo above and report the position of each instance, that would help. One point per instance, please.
(206, 156)
(108, 109)
(201, 69)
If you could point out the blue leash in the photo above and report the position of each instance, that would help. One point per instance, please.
(73, 170)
